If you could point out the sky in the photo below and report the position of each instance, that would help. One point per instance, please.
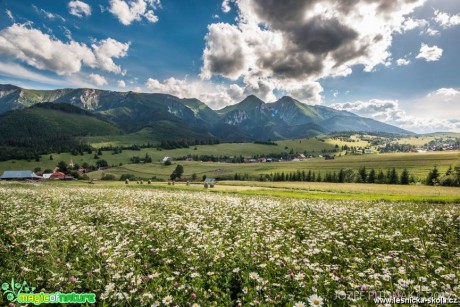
(392, 60)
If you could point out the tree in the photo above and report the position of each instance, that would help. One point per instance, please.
(404, 177)
(101, 163)
(371, 178)
(147, 158)
(380, 177)
(433, 177)
(63, 166)
(393, 176)
(51, 157)
(177, 173)
(362, 174)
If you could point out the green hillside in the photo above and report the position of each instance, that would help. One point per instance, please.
(47, 128)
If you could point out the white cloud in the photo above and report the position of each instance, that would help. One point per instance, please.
(79, 8)
(226, 6)
(28, 76)
(129, 11)
(121, 84)
(19, 72)
(446, 92)
(430, 54)
(432, 32)
(214, 95)
(97, 79)
(108, 49)
(430, 113)
(41, 51)
(445, 20)
(290, 46)
(47, 14)
(10, 15)
(373, 106)
(411, 24)
(390, 111)
(402, 62)
(67, 33)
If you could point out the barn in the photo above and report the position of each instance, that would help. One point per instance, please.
(19, 175)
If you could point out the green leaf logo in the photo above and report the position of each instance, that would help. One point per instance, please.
(12, 290)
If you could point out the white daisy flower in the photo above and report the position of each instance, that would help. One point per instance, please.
(254, 276)
(167, 300)
(315, 300)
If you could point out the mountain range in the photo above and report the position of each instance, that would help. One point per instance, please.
(170, 117)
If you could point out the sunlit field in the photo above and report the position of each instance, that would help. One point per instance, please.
(149, 247)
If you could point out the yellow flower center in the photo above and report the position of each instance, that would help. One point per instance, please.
(316, 302)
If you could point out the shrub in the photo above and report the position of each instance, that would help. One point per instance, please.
(127, 176)
(108, 177)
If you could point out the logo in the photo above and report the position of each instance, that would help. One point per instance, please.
(22, 293)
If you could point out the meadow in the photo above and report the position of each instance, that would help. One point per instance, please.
(136, 245)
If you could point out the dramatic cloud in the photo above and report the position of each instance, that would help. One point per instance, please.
(290, 45)
(224, 52)
(402, 62)
(445, 20)
(430, 54)
(41, 51)
(215, 96)
(418, 115)
(135, 10)
(121, 84)
(79, 8)
(97, 79)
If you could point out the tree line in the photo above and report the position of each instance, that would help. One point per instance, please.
(173, 144)
(364, 175)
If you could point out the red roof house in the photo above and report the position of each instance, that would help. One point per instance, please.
(57, 175)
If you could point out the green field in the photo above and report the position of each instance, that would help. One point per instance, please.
(418, 164)
(141, 245)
